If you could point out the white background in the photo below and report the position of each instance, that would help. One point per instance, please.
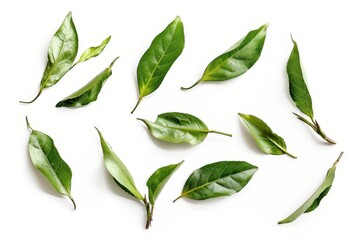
(328, 38)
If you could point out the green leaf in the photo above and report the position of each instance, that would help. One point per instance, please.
(177, 127)
(48, 161)
(159, 57)
(314, 201)
(218, 179)
(237, 60)
(297, 83)
(118, 170)
(93, 51)
(61, 54)
(89, 92)
(300, 93)
(267, 140)
(158, 179)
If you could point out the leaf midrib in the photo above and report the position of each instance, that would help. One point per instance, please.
(182, 128)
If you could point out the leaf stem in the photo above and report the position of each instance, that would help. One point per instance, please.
(149, 212)
(322, 134)
(188, 88)
(290, 154)
(112, 63)
(73, 201)
(137, 104)
(28, 102)
(178, 198)
(28, 124)
(222, 133)
(337, 160)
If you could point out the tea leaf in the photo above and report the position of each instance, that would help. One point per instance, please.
(313, 202)
(267, 140)
(237, 60)
(218, 179)
(159, 57)
(61, 54)
(48, 161)
(118, 170)
(89, 92)
(93, 51)
(177, 127)
(300, 93)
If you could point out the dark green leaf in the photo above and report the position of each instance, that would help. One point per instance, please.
(158, 179)
(48, 161)
(218, 179)
(300, 93)
(61, 54)
(118, 170)
(159, 57)
(314, 201)
(93, 51)
(237, 60)
(176, 127)
(268, 141)
(89, 92)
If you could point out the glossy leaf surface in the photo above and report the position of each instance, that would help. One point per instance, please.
(177, 127)
(267, 140)
(158, 179)
(89, 92)
(61, 54)
(237, 60)
(218, 179)
(94, 51)
(46, 158)
(159, 57)
(118, 170)
(313, 202)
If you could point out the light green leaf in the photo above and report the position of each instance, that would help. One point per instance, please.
(89, 92)
(48, 161)
(218, 179)
(267, 140)
(159, 57)
(237, 60)
(177, 127)
(93, 51)
(313, 202)
(118, 170)
(158, 179)
(61, 54)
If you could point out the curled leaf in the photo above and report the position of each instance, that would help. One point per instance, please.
(237, 60)
(46, 158)
(93, 51)
(89, 92)
(177, 127)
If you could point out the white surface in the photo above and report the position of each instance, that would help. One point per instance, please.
(327, 34)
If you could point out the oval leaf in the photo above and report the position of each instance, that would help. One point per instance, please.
(218, 179)
(48, 161)
(61, 54)
(159, 57)
(89, 92)
(297, 83)
(158, 179)
(94, 51)
(313, 202)
(177, 127)
(267, 140)
(237, 60)
(118, 170)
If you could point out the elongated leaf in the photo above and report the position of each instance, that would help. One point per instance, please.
(218, 179)
(158, 179)
(267, 140)
(297, 83)
(237, 60)
(48, 161)
(159, 57)
(177, 127)
(89, 92)
(94, 51)
(118, 170)
(313, 202)
(61, 54)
